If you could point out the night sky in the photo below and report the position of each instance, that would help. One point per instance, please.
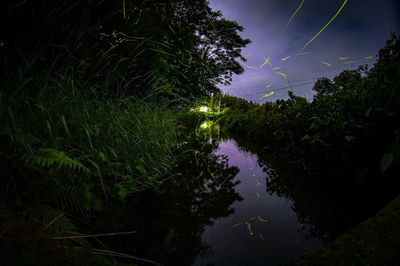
(358, 31)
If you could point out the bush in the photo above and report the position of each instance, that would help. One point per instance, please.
(352, 122)
(71, 150)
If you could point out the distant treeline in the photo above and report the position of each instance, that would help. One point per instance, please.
(351, 128)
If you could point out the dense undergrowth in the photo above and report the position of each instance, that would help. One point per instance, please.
(67, 153)
(351, 128)
(88, 111)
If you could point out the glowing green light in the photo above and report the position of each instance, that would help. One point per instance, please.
(287, 57)
(368, 57)
(206, 124)
(249, 66)
(203, 109)
(325, 63)
(294, 14)
(261, 219)
(248, 226)
(276, 68)
(123, 8)
(337, 13)
(268, 85)
(283, 75)
(266, 62)
(343, 58)
(267, 95)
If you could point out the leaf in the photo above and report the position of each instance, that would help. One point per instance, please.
(368, 112)
(386, 161)
(141, 169)
(349, 138)
(388, 113)
(54, 159)
(122, 191)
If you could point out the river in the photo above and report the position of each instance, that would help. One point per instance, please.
(263, 229)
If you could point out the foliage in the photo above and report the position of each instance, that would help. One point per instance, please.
(352, 123)
(174, 51)
(67, 153)
(86, 87)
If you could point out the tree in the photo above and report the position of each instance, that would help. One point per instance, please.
(171, 50)
(348, 79)
(324, 86)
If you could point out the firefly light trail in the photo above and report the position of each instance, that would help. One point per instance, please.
(337, 13)
(283, 31)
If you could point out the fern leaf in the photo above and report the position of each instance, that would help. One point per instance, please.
(52, 158)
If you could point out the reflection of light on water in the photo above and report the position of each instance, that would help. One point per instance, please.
(206, 124)
(258, 228)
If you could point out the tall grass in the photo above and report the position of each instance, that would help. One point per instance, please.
(66, 152)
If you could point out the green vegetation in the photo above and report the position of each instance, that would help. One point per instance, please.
(351, 125)
(345, 142)
(95, 116)
(66, 154)
(88, 112)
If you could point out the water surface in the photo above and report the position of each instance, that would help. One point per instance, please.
(263, 229)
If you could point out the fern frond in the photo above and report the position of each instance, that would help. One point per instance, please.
(54, 220)
(49, 158)
(50, 218)
(72, 198)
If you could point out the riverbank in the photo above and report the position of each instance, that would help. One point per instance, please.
(375, 241)
(335, 213)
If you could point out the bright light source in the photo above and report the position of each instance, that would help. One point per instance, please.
(206, 124)
(203, 109)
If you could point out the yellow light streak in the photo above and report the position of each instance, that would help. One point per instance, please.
(267, 95)
(123, 8)
(261, 219)
(249, 226)
(250, 66)
(337, 13)
(287, 57)
(325, 63)
(294, 14)
(279, 73)
(266, 62)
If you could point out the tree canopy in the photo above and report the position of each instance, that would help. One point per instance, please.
(171, 50)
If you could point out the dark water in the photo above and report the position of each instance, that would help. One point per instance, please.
(264, 229)
(227, 206)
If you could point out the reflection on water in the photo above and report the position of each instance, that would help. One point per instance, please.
(170, 223)
(216, 212)
(227, 206)
(263, 229)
